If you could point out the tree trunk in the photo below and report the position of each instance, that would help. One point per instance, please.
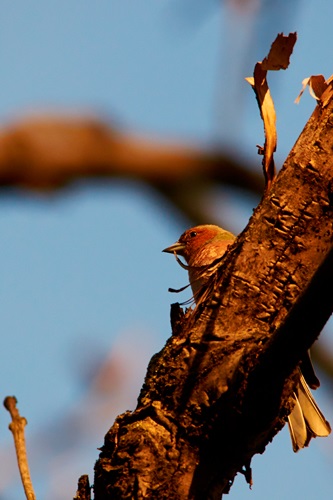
(220, 389)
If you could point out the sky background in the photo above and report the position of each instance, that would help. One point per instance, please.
(83, 289)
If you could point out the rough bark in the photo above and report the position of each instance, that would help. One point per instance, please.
(220, 389)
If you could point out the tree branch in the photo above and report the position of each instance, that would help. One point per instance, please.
(220, 389)
(47, 152)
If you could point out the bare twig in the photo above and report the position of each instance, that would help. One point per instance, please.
(17, 427)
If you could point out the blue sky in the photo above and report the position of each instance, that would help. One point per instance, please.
(82, 273)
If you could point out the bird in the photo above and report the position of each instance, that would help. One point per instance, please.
(201, 246)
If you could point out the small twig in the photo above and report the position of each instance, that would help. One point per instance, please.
(17, 427)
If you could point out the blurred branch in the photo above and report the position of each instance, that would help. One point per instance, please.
(322, 355)
(50, 152)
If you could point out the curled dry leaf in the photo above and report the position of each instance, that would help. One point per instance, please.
(319, 88)
(277, 58)
(317, 85)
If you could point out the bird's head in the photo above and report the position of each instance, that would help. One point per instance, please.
(200, 239)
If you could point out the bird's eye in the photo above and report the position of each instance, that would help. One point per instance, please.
(193, 234)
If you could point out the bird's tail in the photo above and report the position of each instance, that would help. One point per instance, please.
(306, 421)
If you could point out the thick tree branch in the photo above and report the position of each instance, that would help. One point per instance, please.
(220, 389)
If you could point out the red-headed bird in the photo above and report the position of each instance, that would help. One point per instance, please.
(201, 246)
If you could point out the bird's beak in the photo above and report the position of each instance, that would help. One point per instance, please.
(175, 248)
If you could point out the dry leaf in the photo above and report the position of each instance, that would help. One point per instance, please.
(317, 86)
(278, 58)
(280, 52)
